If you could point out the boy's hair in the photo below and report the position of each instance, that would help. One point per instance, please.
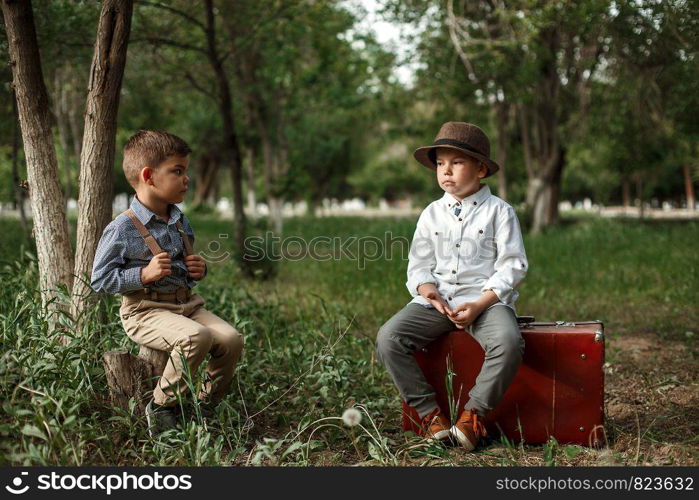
(149, 148)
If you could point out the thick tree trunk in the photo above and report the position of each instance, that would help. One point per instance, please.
(97, 159)
(689, 187)
(50, 223)
(230, 135)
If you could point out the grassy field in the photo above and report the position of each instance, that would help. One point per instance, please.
(309, 333)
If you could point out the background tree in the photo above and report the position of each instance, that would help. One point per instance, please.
(50, 224)
(97, 157)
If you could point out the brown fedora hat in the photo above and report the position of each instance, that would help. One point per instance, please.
(464, 137)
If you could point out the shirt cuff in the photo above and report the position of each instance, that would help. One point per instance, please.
(132, 279)
(418, 279)
(500, 288)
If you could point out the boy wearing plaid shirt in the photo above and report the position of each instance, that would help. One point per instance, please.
(146, 255)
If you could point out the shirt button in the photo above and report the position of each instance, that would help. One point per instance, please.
(460, 218)
(450, 298)
(457, 245)
(475, 203)
(480, 231)
(457, 283)
(453, 271)
(436, 232)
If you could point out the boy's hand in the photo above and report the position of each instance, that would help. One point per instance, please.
(196, 266)
(465, 314)
(158, 267)
(429, 291)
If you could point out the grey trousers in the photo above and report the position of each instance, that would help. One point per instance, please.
(415, 326)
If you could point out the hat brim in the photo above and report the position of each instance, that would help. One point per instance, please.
(422, 155)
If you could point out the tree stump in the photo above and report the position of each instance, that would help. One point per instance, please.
(133, 376)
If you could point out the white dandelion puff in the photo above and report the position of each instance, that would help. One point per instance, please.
(351, 417)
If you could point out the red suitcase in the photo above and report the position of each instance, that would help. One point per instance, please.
(558, 390)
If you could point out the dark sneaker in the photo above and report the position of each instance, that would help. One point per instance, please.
(160, 418)
(468, 429)
(207, 410)
(435, 425)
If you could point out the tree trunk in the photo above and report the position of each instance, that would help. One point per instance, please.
(639, 194)
(206, 174)
(97, 159)
(689, 187)
(16, 182)
(60, 111)
(626, 193)
(501, 114)
(230, 136)
(50, 223)
(252, 202)
(133, 376)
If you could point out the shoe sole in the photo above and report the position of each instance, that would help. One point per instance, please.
(149, 416)
(439, 436)
(463, 440)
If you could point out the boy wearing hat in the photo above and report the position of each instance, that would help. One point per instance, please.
(146, 255)
(466, 260)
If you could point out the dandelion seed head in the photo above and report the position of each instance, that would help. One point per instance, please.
(351, 417)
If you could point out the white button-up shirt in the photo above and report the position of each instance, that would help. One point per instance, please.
(464, 255)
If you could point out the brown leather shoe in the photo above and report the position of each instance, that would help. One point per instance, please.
(436, 425)
(468, 429)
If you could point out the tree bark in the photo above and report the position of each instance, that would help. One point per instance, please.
(206, 174)
(99, 138)
(50, 222)
(689, 187)
(133, 376)
(230, 135)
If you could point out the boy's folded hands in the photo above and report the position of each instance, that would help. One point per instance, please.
(196, 266)
(161, 266)
(465, 314)
(461, 316)
(158, 267)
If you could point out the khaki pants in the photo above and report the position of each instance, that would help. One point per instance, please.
(186, 331)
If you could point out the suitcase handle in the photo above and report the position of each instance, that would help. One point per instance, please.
(525, 319)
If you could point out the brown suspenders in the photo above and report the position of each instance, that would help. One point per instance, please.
(151, 243)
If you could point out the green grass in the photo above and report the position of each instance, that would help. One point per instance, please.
(637, 277)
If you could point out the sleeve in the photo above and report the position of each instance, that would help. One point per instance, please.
(108, 273)
(187, 228)
(511, 260)
(421, 259)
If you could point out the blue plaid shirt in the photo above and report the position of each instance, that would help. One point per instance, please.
(121, 252)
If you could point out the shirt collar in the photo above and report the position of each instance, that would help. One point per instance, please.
(476, 198)
(144, 214)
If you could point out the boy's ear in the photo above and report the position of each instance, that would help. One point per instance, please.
(482, 170)
(147, 175)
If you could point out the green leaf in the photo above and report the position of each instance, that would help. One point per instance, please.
(33, 431)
